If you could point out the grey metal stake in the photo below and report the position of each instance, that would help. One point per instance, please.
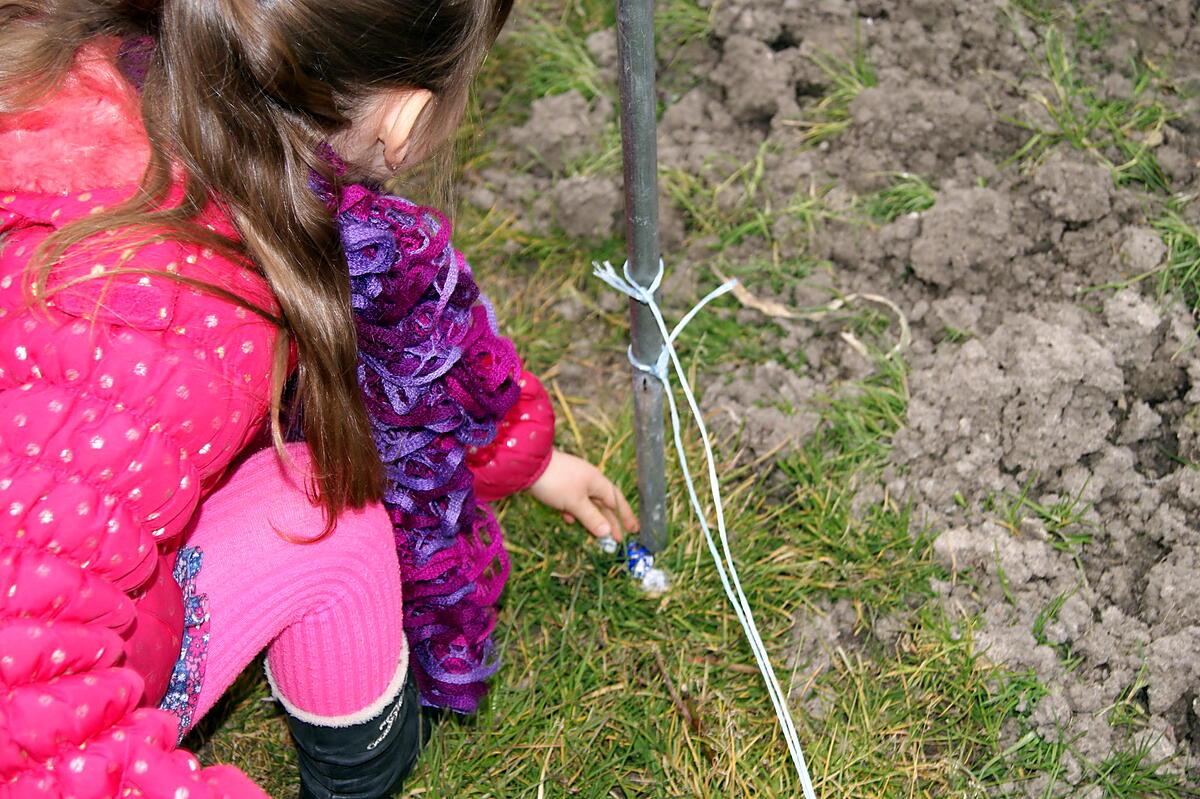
(639, 106)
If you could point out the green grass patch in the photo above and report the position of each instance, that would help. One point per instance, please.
(1134, 773)
(727, 208)
(830, 116)
(246, 729)
(1181, 272)
(1091, 20)
(720, 334)
(1047, 615)
(603, 160)
(927, 720)
(1062, 519)
(1132, 708)
(868, 556)
(719, 337)
(954, 335)
(678, 23)
(775, 273)
(544, 52)
(726, 203)
(1093, 26)
(552, 61)
(1040, 12)
(1119, 133)
(906, 194)
(860, 422)
(934, 718)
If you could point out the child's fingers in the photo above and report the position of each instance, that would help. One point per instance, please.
(614, 526)
(610, 496)
(628, 517)
(591, 518)
(618, 529)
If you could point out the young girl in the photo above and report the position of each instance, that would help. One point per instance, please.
(246, 399)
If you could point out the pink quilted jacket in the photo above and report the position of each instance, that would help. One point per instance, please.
(120, 407)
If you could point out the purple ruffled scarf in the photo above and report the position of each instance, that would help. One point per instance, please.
(437, 378)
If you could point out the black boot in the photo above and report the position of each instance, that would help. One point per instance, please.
(368, 760)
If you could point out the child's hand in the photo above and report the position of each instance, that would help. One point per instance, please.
(583, 493)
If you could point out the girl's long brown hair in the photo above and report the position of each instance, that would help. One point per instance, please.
(240, 93)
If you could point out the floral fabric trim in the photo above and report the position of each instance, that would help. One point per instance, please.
(187, 677)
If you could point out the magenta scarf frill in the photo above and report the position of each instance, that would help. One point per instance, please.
(437, 378)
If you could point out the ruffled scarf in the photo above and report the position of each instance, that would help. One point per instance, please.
(437, 378)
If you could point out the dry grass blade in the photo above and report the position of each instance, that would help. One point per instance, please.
(780, 311)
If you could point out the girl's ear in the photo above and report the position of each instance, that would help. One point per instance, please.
(399, 115)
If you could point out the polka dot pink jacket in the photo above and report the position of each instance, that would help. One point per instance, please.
(119, 406)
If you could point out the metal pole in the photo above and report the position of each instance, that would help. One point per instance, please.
(639, 106)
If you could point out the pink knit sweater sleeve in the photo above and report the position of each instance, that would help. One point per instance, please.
(118, 407)
(521, 451)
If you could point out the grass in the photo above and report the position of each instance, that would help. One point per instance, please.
(720, 338)
(544, 51)
(247, 729)
(1093, 25)
(954, 335)
(1063, 520)
(727, 206)
(701, 203)
(1131, 710)
(1048, 615)
(927, 720)
(1041, 12)
(678, 23)
(554, 62)
(1090, 19)
(868, 557)
(830, 116)
(1119, 133)
(1134, 773)
(1181, 272)
(906, 194)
